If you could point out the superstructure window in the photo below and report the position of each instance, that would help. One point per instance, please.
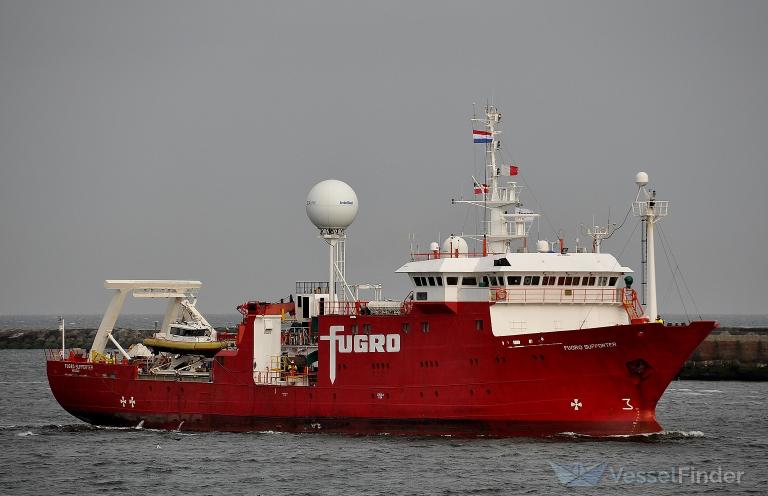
(561, 281)
(495, 282)
(421, 295)
(431, 280)
(513, 280)
(531, 280)
(548, 281)
(484, 282)
(468, 281)
(417, 280)
(451, 281)
(612, 281)
(439, 280)
(602, 281)
(591, 281)
(576, 281)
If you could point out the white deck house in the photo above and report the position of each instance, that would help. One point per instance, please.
(532, 292)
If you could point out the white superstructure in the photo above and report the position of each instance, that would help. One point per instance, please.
(532, 292)
(548, 290)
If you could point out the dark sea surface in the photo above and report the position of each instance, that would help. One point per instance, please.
(710, 426)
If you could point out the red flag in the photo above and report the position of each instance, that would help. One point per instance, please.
(480, 188)
(513, 169)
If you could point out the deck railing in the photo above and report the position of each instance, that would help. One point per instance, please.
(343, 307)
(361, 308)
(55, 355)
(309, 287)
(555, 295)
(434, 255)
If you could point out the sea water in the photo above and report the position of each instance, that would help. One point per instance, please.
(711, 428)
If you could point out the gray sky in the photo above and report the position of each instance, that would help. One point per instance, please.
(179, 139)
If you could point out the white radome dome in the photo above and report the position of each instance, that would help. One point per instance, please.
(450, 245)
(641, 179)
(332, 204)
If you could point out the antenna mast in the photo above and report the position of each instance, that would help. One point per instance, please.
(598, 234)
(505, 220)
(332, 206)
(651, 210)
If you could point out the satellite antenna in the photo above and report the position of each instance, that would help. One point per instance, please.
(332, 207)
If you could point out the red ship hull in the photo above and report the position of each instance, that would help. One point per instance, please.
(450, 380)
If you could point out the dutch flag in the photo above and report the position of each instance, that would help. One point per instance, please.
(481, 136)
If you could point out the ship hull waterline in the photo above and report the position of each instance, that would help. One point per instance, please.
(602, 381)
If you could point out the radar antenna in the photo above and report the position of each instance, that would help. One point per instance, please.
(598, 233)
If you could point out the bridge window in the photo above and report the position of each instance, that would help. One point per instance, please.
(468, 281)
(513, 280)
(439, 280)
(576, 281)
(484, 282)
(431, 280)
(452, 281)
(590, 281)
(548, 281)
(531, 280)
(602, 281)
(494, 282)
(613, 280)
(417, 280)
(561, 281)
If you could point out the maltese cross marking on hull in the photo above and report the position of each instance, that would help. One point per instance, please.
(576, 404)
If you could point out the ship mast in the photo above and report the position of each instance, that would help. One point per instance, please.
(651, 211)
(598, 234)
(505, 222)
